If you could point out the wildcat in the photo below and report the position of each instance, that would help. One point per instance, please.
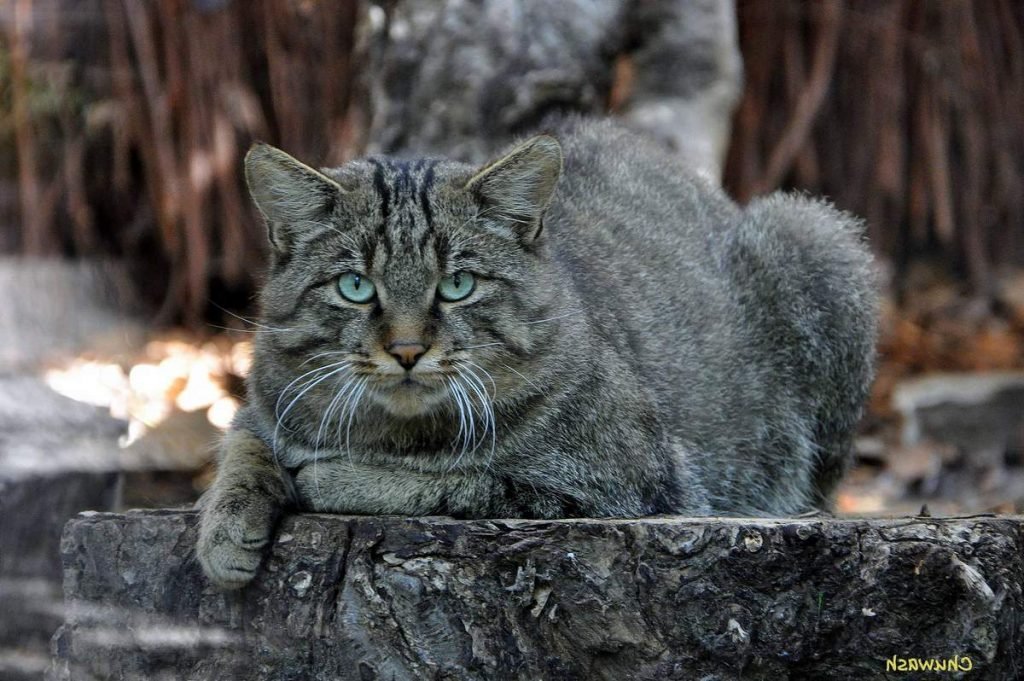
(579, 328)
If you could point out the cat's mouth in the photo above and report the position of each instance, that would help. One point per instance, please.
(412, 381)
(412, 394)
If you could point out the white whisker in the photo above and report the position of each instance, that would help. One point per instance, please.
(247, 321)
(325, 354)
(494, 388)
(358, 392)
(470, 433)
(325, 419)
(483, 406)
(528, 380)
(266, 329)
(463, 428)
(309, 386)
(560, 316)
(485, 345)
(346, 238)
(277, 406)
(235, 330)
(486, 403)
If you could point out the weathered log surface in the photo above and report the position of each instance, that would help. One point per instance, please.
(663, 598)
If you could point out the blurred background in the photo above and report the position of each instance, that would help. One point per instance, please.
(129, 253)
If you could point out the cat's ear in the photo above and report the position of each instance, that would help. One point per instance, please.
(290, 195)
(518, 187)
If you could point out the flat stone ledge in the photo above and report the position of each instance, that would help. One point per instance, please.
(434, 598)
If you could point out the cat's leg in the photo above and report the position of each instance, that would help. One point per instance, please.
(239, 511)
(342, 486)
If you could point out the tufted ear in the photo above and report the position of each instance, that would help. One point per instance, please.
(518, 187)
(289, 194)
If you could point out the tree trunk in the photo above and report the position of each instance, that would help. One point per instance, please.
(435, 598)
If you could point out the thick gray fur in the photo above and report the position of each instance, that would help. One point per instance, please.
(646, 346)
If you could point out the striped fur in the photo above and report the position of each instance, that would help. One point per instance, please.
(635, 344)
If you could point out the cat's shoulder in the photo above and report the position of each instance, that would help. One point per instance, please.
(613, 147)
(584, 135)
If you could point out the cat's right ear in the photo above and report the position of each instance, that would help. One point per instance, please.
(290, 195)
(518, 187)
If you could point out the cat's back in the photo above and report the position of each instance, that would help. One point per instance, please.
(635, 188)
(753, 329)
(640, 236)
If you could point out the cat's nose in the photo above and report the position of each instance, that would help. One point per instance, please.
(407, 353)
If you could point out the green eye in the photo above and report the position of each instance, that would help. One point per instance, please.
(356, 288)
(456, 287)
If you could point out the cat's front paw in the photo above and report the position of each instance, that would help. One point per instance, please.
(232, 539)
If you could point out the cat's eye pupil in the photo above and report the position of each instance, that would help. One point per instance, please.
(456, 286)
(355, 289)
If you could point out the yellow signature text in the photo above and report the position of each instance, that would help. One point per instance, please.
(957, 663)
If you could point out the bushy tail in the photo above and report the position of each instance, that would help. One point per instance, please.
(809, 288)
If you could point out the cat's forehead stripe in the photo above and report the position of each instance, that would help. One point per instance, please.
(380, 185)
(404, 189)
(428, 182)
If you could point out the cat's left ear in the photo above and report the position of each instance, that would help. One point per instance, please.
(290, 195)
(518, 187)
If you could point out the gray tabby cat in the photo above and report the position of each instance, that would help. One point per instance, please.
(599, 335)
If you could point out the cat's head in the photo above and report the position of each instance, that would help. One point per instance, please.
(416, 286)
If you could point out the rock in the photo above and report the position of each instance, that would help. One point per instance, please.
(964, 433)
(57, 457)
(23, 665)
(56, 308)
(659, 598)
(971, 411)
(464, 79)
(161, 468)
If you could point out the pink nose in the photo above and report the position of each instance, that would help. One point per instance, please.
(407, 353)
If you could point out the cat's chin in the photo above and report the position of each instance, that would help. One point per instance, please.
(410, 401)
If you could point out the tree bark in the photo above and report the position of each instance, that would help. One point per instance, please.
(435, 598)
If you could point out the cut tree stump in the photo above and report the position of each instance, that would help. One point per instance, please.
(434, 598)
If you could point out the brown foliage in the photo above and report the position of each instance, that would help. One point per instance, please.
(174, 95)
(906, 112)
